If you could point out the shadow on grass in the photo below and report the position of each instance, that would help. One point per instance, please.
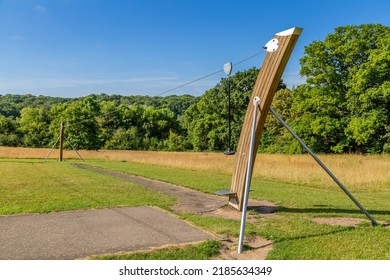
(343, 229)
(328, 210)
(263, 209)
(317, 209)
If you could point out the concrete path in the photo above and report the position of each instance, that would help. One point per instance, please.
(189, 201)
(78, 234)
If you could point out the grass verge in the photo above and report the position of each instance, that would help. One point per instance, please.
(202, 251)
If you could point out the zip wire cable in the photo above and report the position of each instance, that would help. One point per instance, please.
(175, 88)
(208, 75)
(250, 57)
(188, 83)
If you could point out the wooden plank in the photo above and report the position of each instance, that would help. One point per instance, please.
(266, 85)
(62, 141)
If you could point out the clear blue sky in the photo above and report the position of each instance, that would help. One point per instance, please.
(74, 48)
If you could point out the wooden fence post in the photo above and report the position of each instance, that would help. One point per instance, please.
(61, 141)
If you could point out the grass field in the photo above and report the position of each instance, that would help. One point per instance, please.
(53, 186)
(353, 170)
(28, 186)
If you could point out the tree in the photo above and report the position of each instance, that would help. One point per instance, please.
(275, 138)
(12, 104)
(109, 120)
(344, 105)
(123, 139)
(151, 125)
(369, 97)
(8, 132)
(34, 124)
(176, 142)
(79, 117)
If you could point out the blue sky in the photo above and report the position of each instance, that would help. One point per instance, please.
(73, 48)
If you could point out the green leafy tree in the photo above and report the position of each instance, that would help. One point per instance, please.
(34, 124)
(176, 142)
(109, 120)
(275, 138)
(153, 126)
(344, 105)
(369, 100)
(79, 117)
(12, 104)
(124, 139)
(9, 135)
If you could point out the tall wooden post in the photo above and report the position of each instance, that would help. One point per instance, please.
(266, 85)
(61, 141)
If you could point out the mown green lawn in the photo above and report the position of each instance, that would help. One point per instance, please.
(37, 186)
(28, 186)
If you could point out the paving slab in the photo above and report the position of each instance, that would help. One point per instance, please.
(79, 234)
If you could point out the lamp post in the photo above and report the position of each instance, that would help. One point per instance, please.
(227, 68)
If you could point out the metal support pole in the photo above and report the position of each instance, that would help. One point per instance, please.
(229, 118)
(256, 102)
(228, 70)
(373, 221)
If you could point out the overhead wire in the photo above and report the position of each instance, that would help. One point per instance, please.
(208, 75)
(173, 89)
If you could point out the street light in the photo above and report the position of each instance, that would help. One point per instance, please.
(228, 70)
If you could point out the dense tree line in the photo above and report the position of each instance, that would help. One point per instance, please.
(96, 121)
(344, 106)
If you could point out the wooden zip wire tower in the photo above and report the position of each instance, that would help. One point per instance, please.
(278, 50)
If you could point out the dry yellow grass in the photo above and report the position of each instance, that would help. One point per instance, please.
(369, 172)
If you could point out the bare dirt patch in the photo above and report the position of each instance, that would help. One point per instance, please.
(256, 210)
(258, 249)
(347, 222)
(339, 221)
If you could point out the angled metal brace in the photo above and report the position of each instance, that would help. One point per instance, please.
(70, 144)
(373, 221)
(52, 148)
